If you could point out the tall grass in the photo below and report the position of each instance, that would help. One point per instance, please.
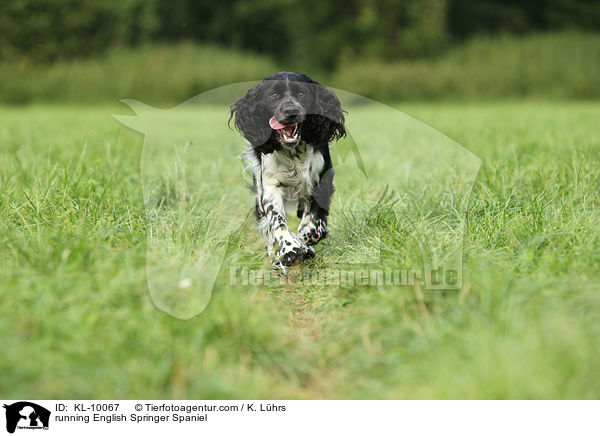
(165, 74)
(560, 65)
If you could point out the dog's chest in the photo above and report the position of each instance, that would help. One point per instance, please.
(295, 171)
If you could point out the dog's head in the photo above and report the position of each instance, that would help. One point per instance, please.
(286, 108)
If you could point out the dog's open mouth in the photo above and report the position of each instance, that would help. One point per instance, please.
(288, 133)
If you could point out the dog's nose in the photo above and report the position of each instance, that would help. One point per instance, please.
(290, 110)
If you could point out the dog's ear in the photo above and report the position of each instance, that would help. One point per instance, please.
(251, 117)
(326, 120)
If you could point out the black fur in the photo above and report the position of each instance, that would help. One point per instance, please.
(293, 99)
(323, 122)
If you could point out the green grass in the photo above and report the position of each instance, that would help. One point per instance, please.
(78, 322)
(548, 66)
(564, 65)
(158, 74)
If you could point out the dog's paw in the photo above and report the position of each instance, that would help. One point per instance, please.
(312, 232)
(310, 253)
(292, 250)
(289, 256)
(279, 268)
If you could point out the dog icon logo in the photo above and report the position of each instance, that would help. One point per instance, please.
(26, 415)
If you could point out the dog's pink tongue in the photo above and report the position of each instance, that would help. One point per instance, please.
(275, 125)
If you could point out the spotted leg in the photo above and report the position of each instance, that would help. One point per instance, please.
(314, 211)
(284, 247)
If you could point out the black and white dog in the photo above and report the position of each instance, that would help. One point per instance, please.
(289, 121)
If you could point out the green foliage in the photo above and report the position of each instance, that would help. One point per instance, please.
(312, 33)
(159, 75)
(393, 29)
(467, 18)
(564, 65)
(45, 30)
(525, 324)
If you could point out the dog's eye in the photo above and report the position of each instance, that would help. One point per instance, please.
(300, 94)
(274, 95)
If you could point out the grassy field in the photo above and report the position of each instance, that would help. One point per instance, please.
(78, 321)
(480, 69)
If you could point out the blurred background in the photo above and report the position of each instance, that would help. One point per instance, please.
(164, 52)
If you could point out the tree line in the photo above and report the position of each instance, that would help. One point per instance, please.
(312, 32)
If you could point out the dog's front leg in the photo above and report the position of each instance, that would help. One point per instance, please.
(314, 210)
(313, 226)
(285, 248)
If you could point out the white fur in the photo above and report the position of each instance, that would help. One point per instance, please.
(284, 178)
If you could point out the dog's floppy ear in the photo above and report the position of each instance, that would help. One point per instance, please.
(326, 121)
(251, 118)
